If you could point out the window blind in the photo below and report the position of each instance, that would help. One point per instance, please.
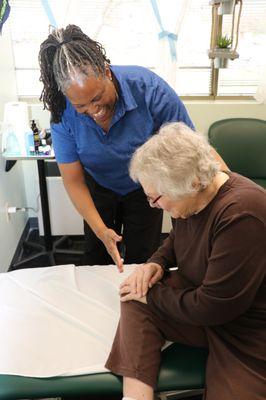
(129, 32)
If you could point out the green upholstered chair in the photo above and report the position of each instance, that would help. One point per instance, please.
(182, 372)
(241, 142)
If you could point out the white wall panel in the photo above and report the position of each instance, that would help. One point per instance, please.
(11, 183)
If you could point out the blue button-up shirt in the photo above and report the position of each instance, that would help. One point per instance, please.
(145, 102)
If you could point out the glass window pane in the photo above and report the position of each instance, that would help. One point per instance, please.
(193, 82)
(28, 83)
(243, 74)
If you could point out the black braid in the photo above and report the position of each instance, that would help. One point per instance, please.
(80, 51)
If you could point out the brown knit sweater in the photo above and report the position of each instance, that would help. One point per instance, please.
(221, 252)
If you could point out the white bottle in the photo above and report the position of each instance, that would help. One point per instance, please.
(16, 115)
(11, 145)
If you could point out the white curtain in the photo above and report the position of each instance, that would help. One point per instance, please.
(169, 15)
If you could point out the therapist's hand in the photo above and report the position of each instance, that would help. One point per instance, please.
(110, 238)
(140, 281)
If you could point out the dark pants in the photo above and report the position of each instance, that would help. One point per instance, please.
(130, 215)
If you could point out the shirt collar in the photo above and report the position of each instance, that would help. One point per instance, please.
(125, 92)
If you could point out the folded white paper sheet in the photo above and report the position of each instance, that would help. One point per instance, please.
(58, 320)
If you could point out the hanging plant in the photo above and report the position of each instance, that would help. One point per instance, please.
(223, 48)
(222, 51)
(224, 42)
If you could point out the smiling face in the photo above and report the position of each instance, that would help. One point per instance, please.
(95, 96)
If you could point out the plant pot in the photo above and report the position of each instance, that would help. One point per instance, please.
(221, 56)
(220, 62)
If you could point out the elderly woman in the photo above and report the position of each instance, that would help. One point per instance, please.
(216, 297)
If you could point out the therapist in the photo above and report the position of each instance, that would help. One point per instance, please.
(100, 114)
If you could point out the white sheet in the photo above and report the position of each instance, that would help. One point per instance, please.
(58, 320)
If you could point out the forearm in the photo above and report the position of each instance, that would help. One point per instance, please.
(190, 306)
(165, 255)
(234, 275)
(74, 182)
(82, 201)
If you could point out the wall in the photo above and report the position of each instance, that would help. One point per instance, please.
(12, 188)
(42, 118)
(203, 114)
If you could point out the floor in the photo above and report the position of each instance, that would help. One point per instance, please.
(74, 243)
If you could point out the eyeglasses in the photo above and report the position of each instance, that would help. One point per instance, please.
(153, 202)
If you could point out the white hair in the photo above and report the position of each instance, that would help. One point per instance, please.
(173, 160)
(77, 59)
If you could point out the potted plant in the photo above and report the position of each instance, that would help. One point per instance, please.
(223, 48)
(224, 42)
(222, 52)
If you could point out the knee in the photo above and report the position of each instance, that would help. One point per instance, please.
(133, 314)
(128, 309)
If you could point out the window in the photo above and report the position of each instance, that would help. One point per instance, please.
(243, 75)
(194, 65)
(129, 31)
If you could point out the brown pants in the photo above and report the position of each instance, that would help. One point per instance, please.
(140, 335)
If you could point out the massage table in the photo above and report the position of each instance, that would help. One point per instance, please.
(182, 370)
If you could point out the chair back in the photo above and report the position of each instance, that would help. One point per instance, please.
(241, 142)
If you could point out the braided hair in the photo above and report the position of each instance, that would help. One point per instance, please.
(64, 54)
